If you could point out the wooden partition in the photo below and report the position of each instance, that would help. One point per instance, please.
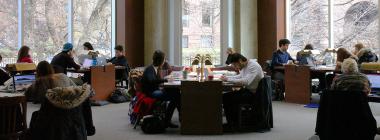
(297, 84)
(103, 81)
(201, 107)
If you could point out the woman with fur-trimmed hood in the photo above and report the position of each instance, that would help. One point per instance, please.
(65, 112)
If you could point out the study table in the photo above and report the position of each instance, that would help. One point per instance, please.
(298, 81)
(201, 103)
(102, 79)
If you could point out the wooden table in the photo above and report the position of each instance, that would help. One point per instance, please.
(298, 82)
(102, 80)
(201, 104)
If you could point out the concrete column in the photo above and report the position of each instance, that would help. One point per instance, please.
(248, 28)
(156, 29)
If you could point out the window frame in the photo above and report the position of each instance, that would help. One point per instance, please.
(330, 24)
(70, 19)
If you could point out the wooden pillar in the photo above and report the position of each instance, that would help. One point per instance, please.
(130, 30)
(271, 27)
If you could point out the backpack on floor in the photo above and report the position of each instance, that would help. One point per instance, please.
(153, 124)
(119, 96)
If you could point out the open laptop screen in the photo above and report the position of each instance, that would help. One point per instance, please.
(375, 81)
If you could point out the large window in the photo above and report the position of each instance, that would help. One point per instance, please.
(356, 21)
(92, 23)
(349, 22)
(8, 29)
(309, 24)
(45, 25)
(203, 30)
(45, 29)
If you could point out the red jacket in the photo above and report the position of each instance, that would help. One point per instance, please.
(26, 59)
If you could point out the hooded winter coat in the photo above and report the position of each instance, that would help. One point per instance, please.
(65, 114)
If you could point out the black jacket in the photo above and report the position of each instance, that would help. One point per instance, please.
(121, 61)
(62, 61)
(345, 115)
(63, 116)
(150, 80)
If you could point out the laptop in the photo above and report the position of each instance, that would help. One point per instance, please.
(375, 83)
(100, 61)
(87, 63)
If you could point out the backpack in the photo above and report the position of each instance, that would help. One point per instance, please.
(133, 117)
(153, 124)
(118, 96)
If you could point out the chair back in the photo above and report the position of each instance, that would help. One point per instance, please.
(345, 115)
(263, 104)
(12, 117)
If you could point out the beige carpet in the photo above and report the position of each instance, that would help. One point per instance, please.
(291, 122)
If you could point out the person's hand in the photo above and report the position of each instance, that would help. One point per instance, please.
(223, 78)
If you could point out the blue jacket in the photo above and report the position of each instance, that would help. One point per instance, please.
(279, 58)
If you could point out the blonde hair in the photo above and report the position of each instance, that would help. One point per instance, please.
(231, 50)
(349, 65)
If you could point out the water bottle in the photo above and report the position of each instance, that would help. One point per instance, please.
(328, 59)
(94, 62)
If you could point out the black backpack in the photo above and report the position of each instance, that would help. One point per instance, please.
(153, 124)
(118, 97)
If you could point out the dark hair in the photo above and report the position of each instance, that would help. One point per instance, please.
(236, 57)
(88, 46)
(158, 58)
(119, 48)
(44, 69)
(309, 47)
(1, 58)
(342, 54)
(283, 42)
(23, 52)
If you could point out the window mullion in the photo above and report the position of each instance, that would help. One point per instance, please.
(331, 24)
(20, 23)
(70, 21)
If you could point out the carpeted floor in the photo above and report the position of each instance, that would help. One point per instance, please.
(291, 122)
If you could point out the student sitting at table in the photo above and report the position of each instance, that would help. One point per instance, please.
(151, 81)
(23, 55)
(45, 77)
(250, 75)
(280, 58)
(4, 75)
(351, 79)
(64, 60)
(341, 55)
(87, 47)
(365, 54)
(303, 56)
(230, 51)
(65, 111)
(120, 60)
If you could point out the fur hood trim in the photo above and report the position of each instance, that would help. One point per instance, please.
(363, 51)
(68, 97)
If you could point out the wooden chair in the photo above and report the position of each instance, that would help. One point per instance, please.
(12, 118)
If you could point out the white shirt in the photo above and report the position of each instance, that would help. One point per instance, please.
(249, 76)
